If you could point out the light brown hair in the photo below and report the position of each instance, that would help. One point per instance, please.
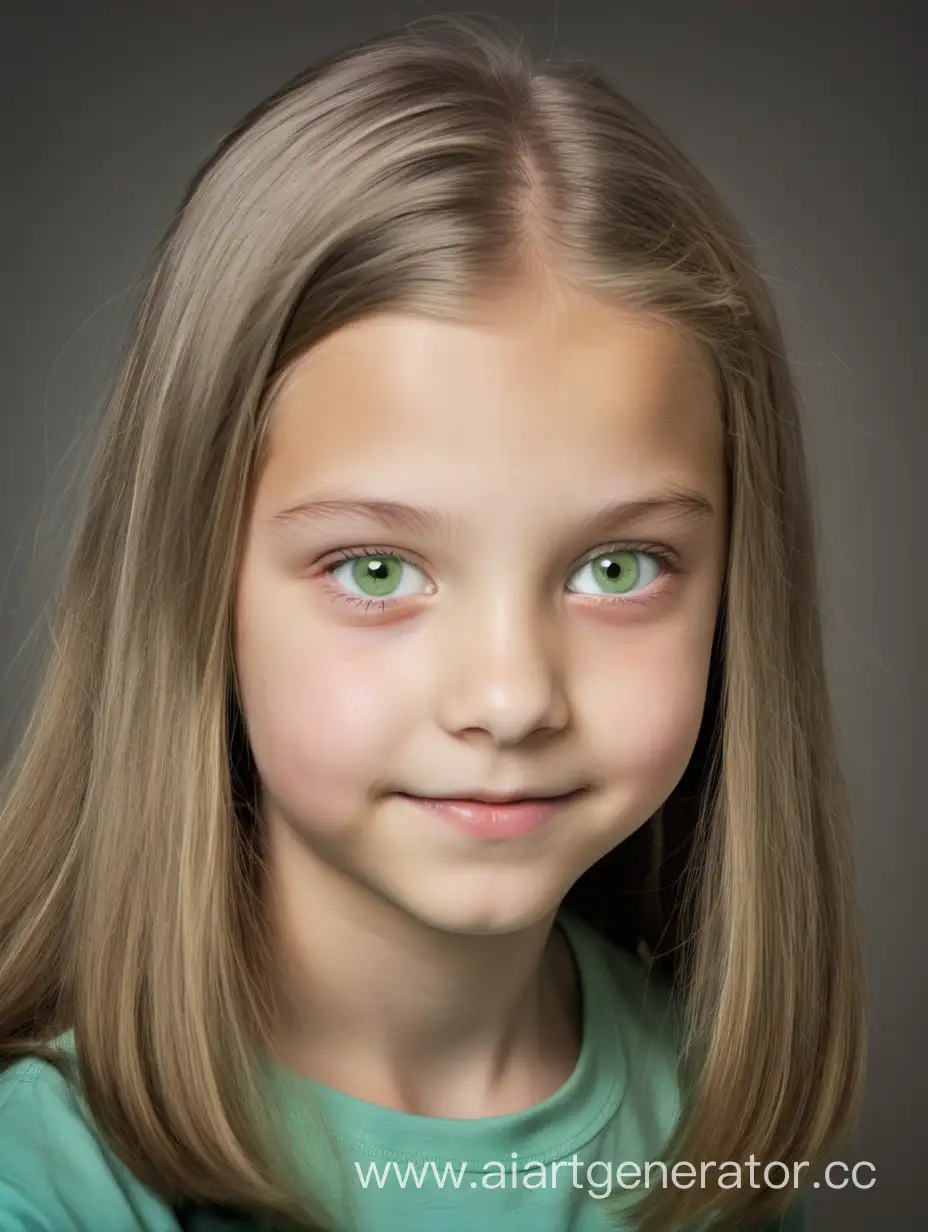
(422, 172)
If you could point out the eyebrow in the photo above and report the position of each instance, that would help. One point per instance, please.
(674, 504)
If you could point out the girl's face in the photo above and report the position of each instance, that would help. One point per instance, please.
(509, 628)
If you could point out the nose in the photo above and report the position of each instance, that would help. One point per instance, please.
(504, 675)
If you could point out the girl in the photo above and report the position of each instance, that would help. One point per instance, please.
(430, 818)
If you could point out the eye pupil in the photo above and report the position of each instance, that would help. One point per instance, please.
(377, 576)
(618, 571)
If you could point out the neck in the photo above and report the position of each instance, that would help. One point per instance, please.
(377, 1003)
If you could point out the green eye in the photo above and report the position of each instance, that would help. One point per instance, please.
(382, 575)
(376, 576)
(615, 573)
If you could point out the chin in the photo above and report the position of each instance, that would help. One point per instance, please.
(473, 907)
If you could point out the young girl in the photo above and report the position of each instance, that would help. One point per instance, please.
(429, 817)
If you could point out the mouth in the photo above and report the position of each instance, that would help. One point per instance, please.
(498, 798)
(497, 818)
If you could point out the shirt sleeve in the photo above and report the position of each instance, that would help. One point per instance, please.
(55, 1173)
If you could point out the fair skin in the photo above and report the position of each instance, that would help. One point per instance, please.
(418, 964)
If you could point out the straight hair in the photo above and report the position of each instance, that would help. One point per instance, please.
(426, 172)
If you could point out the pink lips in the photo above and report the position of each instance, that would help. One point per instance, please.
(495, 821)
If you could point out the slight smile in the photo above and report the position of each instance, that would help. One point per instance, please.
(497, 819)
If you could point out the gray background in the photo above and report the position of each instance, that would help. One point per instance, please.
(810, 120)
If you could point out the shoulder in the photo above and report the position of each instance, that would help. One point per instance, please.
(56, 1174)
(795, 1219)
(633, 1033)
(650, 1022)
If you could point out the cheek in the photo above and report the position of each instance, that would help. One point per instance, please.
(644, 710)
(322, 719)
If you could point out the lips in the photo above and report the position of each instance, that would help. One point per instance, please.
(489, 819)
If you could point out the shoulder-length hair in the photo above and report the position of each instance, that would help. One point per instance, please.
(420, 172)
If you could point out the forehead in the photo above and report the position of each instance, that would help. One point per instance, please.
(571, 391)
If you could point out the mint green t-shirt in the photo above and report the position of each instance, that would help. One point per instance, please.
(544, 1169)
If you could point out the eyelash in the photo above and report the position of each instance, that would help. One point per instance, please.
(670, 566)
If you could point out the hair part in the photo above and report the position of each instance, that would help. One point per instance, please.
(428, 171)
